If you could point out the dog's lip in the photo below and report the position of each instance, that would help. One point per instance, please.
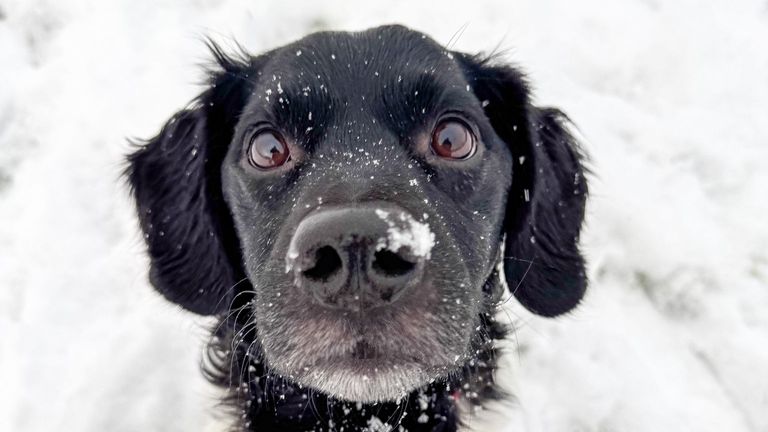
(368, 381)
(364, 350)
(381, 364)
(365, 353)
(383, 378)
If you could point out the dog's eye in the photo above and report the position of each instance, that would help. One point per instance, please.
(452, 139)
(267, 149)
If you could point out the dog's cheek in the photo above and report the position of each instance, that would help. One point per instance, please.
(459, 301)
(272, 323)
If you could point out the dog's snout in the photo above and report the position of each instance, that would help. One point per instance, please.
(355, 258)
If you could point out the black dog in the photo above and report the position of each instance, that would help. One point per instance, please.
(344, 204)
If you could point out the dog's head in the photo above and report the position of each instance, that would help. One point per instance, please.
(357, 189)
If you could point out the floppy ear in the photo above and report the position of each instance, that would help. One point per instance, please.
(176, 181)
(545, 205)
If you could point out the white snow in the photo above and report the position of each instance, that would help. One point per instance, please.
(670, 99)
(405, 231)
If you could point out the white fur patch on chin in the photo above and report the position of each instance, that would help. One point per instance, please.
(390, 384)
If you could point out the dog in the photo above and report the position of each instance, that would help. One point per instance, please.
(352, 207)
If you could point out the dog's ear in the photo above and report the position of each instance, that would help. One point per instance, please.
(545, 205)
(176, 182)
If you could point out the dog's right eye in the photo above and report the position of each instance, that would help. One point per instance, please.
(267, 149)
(453, 139)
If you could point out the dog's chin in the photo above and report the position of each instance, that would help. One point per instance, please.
(366, 381)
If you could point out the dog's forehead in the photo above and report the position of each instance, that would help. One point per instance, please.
(353, 66)
(352, 90)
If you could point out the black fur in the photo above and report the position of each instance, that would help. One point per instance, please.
(543, 264)
(211, 249)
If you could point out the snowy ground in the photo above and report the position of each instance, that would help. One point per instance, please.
(671, 99)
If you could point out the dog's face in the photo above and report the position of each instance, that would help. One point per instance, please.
(368, 192)
(357, 188)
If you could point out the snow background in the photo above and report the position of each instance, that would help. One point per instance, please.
(670, 99)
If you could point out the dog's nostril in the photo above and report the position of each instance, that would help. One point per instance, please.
(390, 264)
(327, 263)
(336, 255)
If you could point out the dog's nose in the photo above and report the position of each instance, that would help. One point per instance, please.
(358, 258)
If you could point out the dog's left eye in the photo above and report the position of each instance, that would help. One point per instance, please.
(267, 149)
(453, 139)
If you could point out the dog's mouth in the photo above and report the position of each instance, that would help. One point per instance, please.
(366, 374)
(364, 351)
(375, 355)
(367, 368)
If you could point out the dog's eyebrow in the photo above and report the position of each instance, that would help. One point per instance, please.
(408, 100)
(416, 99)
(302, 106)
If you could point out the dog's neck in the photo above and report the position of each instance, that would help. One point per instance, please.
(263, 401)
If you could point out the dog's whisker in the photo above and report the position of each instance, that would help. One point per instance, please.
(520, 283)
(313, 406)
(229, 290)
(232, 367)
(238, 335)
(399, 411)
(225, 320)
(245, 367)
(511, 258)
(457, 35)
